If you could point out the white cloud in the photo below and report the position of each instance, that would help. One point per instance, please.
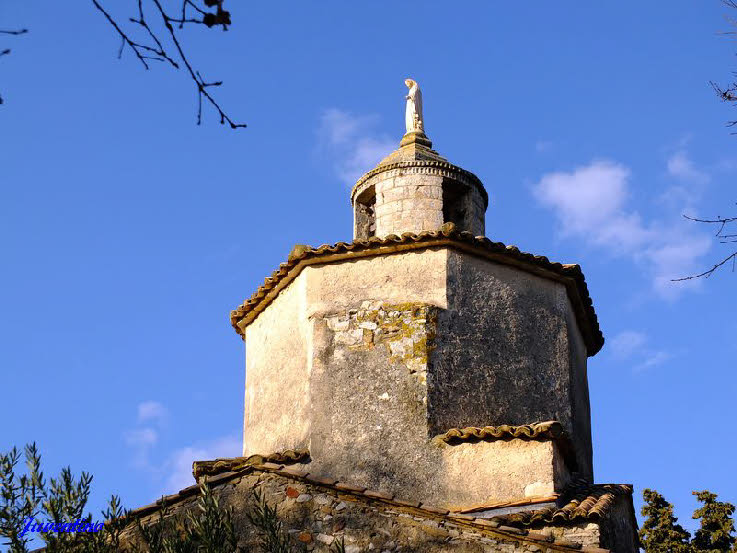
(351, 143)
(627, 343)
(172, 472)
(141, 441)
(152, 411)
(689, 183)
(633, 347)
(150, 416)
(142, 437)
(591, 203)
(178, 465)
(653, 359)
(682, 168)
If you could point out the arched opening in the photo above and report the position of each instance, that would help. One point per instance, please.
(456, 203)
(364, 215)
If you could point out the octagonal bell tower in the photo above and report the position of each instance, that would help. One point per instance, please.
(423, 358)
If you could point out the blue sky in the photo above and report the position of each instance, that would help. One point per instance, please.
(128, 233)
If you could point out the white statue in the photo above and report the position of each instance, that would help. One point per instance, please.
(413, 113)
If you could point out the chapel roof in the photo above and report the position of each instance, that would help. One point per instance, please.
(447, 236)
(584, 503)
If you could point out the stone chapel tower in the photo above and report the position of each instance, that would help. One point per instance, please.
(422, 358)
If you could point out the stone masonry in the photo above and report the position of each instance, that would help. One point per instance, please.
(415, 190)
(317, 514)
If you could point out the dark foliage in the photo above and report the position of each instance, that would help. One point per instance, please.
(661, 533)
(716, 533)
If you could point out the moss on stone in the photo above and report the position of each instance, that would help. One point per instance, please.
(413, 323)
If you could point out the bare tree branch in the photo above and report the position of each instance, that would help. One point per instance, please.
(728, 93)
(722, 224)
(709, 272)
(153, 47)
(4, 52)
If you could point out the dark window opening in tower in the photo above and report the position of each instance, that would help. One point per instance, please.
(365, 214)
(456, 203)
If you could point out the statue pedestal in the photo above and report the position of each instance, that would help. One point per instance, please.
(415, 137)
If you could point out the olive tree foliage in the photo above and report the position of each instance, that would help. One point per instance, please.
(27, 496)
(661, 533)
(151, 31)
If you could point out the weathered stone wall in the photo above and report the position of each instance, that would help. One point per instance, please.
(364, 361)
(315, 517)
(279, 341)
(505, 352)
(579, 395)
(374, 432)
(277, 401)
(399, 278)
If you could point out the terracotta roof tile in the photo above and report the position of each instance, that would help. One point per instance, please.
(321, 480)
(290, 471)
(536, 431)
(549, 430)
(486, 522)
(211, 468)
(524, 502)
(379, 495)
(584, 502)
(404, 503)
(447, 236)
(432, 509)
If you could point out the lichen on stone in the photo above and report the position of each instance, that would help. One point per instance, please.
(406, 329)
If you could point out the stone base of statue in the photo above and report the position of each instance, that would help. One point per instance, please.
(415, 137)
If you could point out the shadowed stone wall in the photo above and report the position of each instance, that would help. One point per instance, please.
(508, 352)
(315, 517)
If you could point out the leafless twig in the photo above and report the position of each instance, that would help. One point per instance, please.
(6, 51)
(154, 48)
(722, 224)
(728, 93)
